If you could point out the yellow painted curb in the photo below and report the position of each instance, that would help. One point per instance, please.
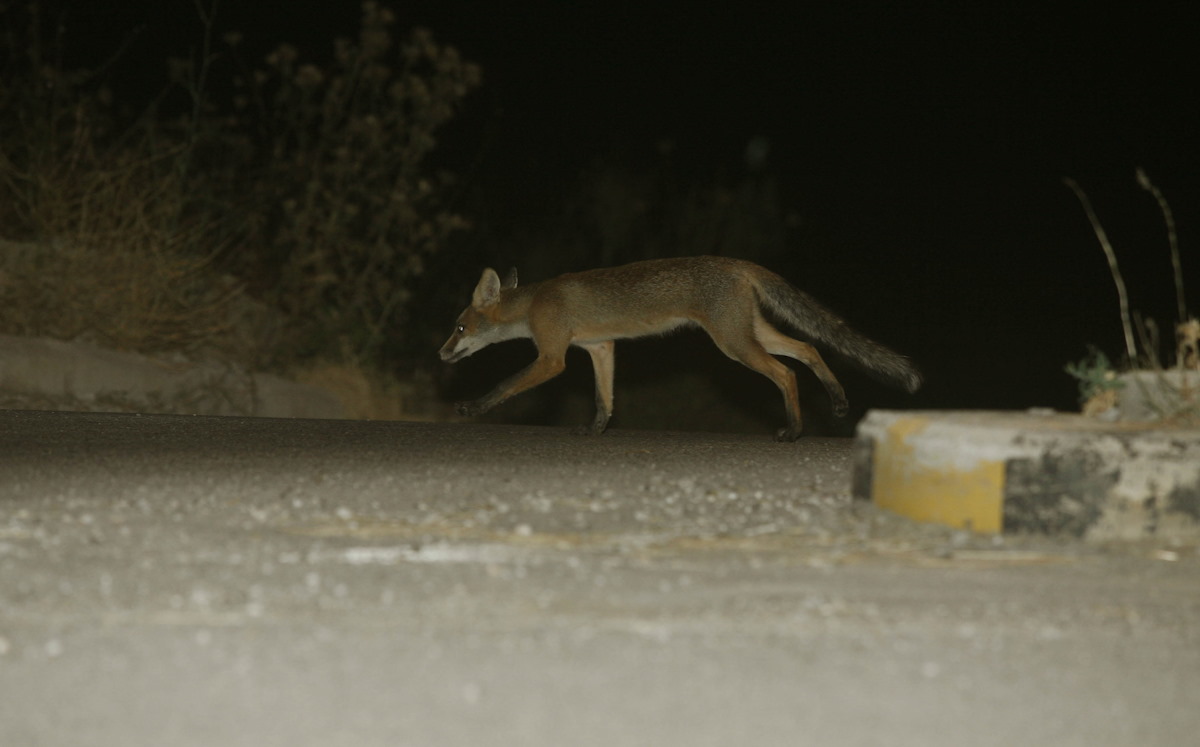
(921, 487)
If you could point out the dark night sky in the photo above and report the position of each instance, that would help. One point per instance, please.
(929, 137)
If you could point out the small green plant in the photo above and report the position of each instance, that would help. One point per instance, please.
(1096, 375)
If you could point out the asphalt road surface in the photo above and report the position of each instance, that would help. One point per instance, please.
(226, 581)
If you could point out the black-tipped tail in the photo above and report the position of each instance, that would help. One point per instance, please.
(809, 316)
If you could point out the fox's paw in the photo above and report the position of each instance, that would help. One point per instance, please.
(596, 427)
(470, 409)
(841, 407)
(787, 435)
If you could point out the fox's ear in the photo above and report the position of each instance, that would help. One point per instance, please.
(488, 289)
(510, 280)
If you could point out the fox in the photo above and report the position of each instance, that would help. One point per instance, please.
(725, 297)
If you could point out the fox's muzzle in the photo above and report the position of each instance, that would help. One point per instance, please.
(452, 351)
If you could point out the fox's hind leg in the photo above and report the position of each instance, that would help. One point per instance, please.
(778, 343)
(730, 334)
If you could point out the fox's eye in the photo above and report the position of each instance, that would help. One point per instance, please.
(460, 328)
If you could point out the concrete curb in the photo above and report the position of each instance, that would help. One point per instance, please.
(97, 379)
(1049, 473)
(1153, 395)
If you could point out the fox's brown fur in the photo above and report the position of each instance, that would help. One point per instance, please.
(724, 296)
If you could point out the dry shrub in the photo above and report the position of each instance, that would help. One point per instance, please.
(111, 257)
(309, 187)
(347, 210)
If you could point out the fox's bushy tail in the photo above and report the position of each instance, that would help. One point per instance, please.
(806, 314)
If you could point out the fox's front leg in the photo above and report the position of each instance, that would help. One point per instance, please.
(543, 369)
(602, 366)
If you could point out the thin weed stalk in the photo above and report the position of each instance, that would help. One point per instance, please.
(1118, 280)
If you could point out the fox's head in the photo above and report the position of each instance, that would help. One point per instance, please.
(480, 325)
